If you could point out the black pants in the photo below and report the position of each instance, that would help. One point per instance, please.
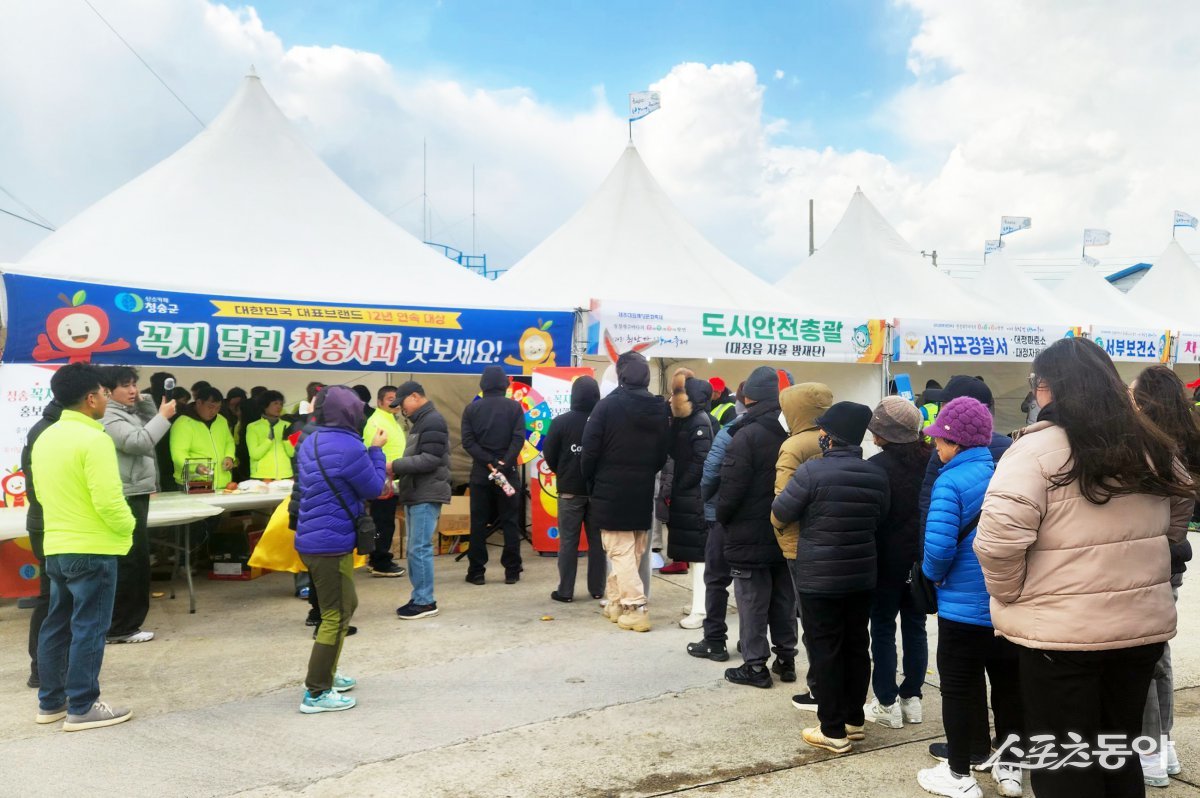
(766, 602)
(716, 585)
(488, 503)
(41, 607)
(964, 653)
(132, 602)
(383, 513)
(1090, 693)
(574, 515)
(838, 640)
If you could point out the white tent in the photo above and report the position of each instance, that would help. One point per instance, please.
(866, 268)
(630, 242)
(1102, 303)
(1014, 296)
(1171, 289)
(246, 208)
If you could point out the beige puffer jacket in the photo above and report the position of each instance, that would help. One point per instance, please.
(1069, 575)
(801, 405)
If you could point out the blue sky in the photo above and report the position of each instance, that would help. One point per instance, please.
(839, 59)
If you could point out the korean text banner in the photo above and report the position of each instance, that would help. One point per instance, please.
(1189, 348)
(922, 339)
(681, 332)
(58, 321)
(1133, 346)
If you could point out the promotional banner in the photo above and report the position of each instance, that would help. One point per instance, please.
(57, 321)
(643, 103)
(1189, 349)
(1134, 346)
(1095, 237)
(682, 333)
(922, 339)
(24, 393)
(1012, 224)
(553, 385)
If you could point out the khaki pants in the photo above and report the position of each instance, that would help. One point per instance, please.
(625, 550)
(333, 580)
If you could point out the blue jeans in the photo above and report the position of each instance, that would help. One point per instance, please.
(886, 604)
(71, 643)
(421, 520)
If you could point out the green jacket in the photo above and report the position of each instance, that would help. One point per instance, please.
(270, 458)
(192, 439)
(78, 484)
(382, 419)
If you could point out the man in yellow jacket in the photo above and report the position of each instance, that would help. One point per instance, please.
(383, 510)
(88, 525)
(204, 434)
(270, 450)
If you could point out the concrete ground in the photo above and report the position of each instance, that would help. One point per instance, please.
(487, 699)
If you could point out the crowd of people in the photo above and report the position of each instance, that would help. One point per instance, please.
(1051, 557)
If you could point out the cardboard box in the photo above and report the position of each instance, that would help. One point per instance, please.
(231, 552)
(234, 572)
(454, 523)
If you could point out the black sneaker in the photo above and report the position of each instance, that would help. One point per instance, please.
(750, 675)
(709, 649)
(33, 681)
(388, 570)
(941, 752)
(313, 619)
(554, 594)
(513, 578)
(475, 579)
(786, 668)
(411, 612)
(353, 630)
(805, 701)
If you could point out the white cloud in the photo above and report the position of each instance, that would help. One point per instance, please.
(1024, 108)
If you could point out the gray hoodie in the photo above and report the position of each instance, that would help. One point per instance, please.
(135, 430)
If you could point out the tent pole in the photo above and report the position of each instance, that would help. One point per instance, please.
(811, 244)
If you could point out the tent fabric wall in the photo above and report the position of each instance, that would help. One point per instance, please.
(1013, 296)
(1102, 303)
(1171, 289)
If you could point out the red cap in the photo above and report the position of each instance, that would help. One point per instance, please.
(718, 385)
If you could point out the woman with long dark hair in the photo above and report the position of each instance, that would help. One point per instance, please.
(1161, 396)
(1074, 544)
(896, 425)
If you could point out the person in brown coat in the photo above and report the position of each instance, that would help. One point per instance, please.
(1074, 543)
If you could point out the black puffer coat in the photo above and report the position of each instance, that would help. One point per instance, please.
(839, 500)
(748, 487)
(624, 446)
(424, 470)
(564, 441)
(692, 436)
(493, 428)
(898, 543)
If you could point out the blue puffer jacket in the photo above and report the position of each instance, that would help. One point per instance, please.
(710, 480)
(957, 498)
(358, 472)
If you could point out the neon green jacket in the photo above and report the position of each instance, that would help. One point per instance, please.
(78, 484)
(192, 439)
(269, 458)
(382, 419)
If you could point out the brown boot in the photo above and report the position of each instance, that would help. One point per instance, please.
(635, 619)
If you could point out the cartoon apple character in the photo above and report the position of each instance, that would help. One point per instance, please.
(13, 486)
(537, 349)
(76, 332)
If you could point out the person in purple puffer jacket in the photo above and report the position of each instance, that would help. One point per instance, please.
(325, 533)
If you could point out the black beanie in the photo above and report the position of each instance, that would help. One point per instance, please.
(762, 384)
(847, 422)
(633, 370)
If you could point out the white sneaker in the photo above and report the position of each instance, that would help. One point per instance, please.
(692, 621)
(1154, 773)
(940, 781)
(1008, 780)
(1173, 766)
(888, 717)
(910, 709)
(656, 561)
(139, 636)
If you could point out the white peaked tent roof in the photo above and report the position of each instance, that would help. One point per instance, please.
(866, 268)
(1014, 296)
(630, 242)
(247, 208)
(1102, 303)
(1171, 289)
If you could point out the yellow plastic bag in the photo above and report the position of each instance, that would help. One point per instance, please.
(276, 549)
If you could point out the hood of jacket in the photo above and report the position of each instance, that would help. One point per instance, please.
(585, 393)
(493, 382)
(633, 371)
(644, 408)
(802, 404)
(53, 411)
(695, 396)
(341, 408)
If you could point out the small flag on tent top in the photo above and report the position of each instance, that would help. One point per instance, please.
(1088, 260)
(992, 245)
(1011, 224)
(1094, 237)
(643, 103)
(1185, 220)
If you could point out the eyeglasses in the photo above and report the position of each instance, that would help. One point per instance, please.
(1035, 383)
(102, 392)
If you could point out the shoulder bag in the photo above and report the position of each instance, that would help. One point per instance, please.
(921, 588)
(364, 527)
